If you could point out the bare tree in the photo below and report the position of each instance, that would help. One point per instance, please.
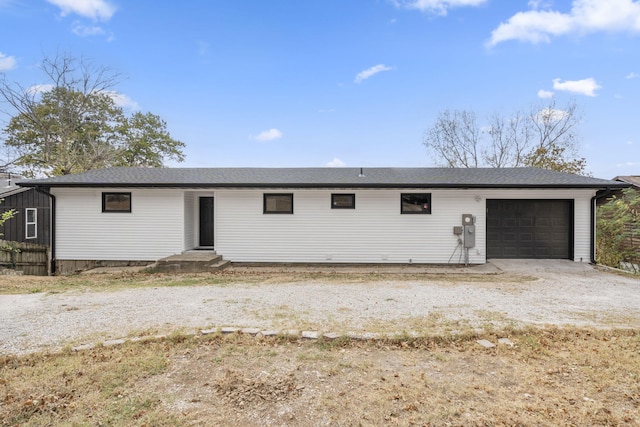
(543, 137)
(455, 138)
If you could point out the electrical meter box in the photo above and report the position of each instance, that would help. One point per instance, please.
(469, 236)
(467, 219)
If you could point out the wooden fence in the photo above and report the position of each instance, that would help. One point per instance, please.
(632, 242)
(26, 257)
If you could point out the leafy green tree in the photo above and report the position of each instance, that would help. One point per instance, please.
(544, 137)
(6, 216)
(72, 124)
(618, 223)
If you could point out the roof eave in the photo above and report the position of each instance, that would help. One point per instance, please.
(318, 185)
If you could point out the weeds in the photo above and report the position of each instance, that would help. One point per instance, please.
(551, 376)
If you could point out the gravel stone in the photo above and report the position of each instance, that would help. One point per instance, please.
(565, 293)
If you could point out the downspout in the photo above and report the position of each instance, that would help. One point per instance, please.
(594, 200)
(52, 229)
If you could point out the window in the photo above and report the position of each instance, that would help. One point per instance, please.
(416, 203)
(31, 223)
(343, 201)
(116, 202)
(278, 203)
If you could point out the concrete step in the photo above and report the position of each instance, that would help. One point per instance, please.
(191, 262)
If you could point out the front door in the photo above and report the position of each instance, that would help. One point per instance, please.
(206, 222)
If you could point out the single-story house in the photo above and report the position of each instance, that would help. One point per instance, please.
(323, 215)
(30, 223)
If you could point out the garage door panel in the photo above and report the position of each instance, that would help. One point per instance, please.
(529, 228)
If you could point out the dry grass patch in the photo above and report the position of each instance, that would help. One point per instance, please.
(549, 377)
(119, 281)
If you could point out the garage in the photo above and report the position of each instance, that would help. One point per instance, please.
(540, 229)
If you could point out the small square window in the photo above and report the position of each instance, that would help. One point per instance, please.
(343, 201)
(278, 203)
(116, 202)
(416, 203)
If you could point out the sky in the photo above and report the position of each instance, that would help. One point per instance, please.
(292, 83)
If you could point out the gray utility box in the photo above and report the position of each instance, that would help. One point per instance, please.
(469, 236)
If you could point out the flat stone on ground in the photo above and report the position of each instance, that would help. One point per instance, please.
(505, 341)
(486, 344)
(332, 335)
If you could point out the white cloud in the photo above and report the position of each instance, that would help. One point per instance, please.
(269, 135)
(632, 76)
(586, 16)
(7, 62)
(36, 89)
(94, 9)
(439, 7)
(582, 87)
(335, 163)
(364, 75)
(87, 30)
(122, 100)
(626, 164)
(550, 115)
(545, 94)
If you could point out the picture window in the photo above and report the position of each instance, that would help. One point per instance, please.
(343, 201)
(416, 203)
(278, 203)
(116, 202)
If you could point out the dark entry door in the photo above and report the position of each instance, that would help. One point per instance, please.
(206, 221)
(530, 229)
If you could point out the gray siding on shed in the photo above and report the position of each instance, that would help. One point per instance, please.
(15, 228)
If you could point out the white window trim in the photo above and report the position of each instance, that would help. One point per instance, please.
(34, 223)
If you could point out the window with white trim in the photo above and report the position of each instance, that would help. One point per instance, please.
(31, 223)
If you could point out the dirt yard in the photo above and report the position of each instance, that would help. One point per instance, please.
(572, 358)
(549, 376)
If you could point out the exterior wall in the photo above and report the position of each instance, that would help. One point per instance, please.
(374, 232)
(164, 222)
(153, 229)
(189, 220)
(15, 229)
(582, 212)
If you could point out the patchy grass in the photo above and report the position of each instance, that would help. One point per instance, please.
(551, 376)
(119, 281)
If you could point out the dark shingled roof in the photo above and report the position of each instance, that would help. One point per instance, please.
(324, 177)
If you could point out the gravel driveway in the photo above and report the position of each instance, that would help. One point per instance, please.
(564, 293)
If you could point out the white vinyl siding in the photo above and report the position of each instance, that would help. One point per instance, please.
(189, 220)
(375, 231)
(165, 221)
(152, 230)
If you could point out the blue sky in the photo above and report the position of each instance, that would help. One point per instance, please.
(292, 83)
